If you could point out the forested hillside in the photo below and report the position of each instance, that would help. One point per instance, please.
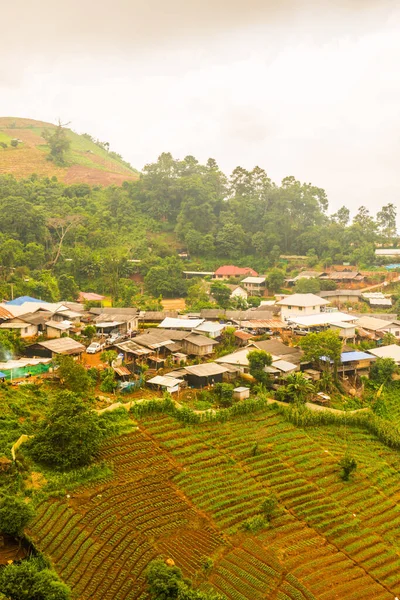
(56, 237)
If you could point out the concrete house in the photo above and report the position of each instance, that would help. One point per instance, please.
(301, 305)
(109, 319)
(227, 271)
(25, 328)
(255, 286)
(237, 291)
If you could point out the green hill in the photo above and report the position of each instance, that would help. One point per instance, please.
(87, 160)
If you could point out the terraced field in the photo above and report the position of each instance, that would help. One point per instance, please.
(86, 161)
(185, 492)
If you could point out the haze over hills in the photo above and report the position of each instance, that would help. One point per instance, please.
(88, 161)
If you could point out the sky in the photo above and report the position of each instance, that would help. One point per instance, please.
(308, 88)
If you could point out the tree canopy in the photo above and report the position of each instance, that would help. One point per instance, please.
(69, 435)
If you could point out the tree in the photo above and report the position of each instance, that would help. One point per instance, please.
(58, 142)
(386, 219)
(10, 344)
(108, 356)
(221, 293)
(224, 394)
(348, 464)
(325, 345)
(275, 280)
(61, 226)
(268, 506)
(89, 331)
(166, 279)
(30, 579)
(69, 436)
(73, 375)
(298, 387)
(389, 339)
(258, 360)
(14, 143)
(15, 514)
(382, 370)
(306, 285)
(167, 583)
(108, 383)
(68, 287)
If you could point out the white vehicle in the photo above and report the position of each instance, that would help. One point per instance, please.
(94, 347)
(113, 338)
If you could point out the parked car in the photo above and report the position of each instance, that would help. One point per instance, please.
(114, 337)
(95, 347)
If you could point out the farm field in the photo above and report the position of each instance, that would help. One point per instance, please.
(184, 492)
(87, 162)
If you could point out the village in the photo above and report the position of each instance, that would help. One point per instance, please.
(174, 351)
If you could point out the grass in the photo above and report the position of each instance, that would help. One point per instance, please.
(86, 161)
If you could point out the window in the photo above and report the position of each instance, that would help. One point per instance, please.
(289, 308)
(300, 308)
(397, 332)
(313, 307)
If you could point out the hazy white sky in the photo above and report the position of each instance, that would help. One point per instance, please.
(298, 87)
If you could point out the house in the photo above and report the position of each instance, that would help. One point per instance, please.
(201, 274)
(356, 362)
(282, 368)
(198, 345)
(263, 325)
(341, 296)
(391, 351)
(188, 324)
(200, 376)
(344, 276)
(301, 304)
(255, 286)
(55, 329)
(156, 316)
(389, 252)
(212, 329)
(90, 297)
(346, 331)
(5, 314)
(237, 291)
(227, 271)
(242, 337)
(377, 299)
(305, 275)
(376, 328)
(59, 347)
(320, 320)
(237, 359)
(166, 383)
(123, 320)
(25, 328)
(279, 350)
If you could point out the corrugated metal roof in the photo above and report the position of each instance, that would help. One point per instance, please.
(122, 371)
(64, 345)
(5, 314)
(165, 381)
(206, 369)
(352, 356)
(172, 323)
(22, 299)
(199, 340)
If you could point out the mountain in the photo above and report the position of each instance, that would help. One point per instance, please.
(88, 161)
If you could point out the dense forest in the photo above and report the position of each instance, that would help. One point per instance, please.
(57, 238)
